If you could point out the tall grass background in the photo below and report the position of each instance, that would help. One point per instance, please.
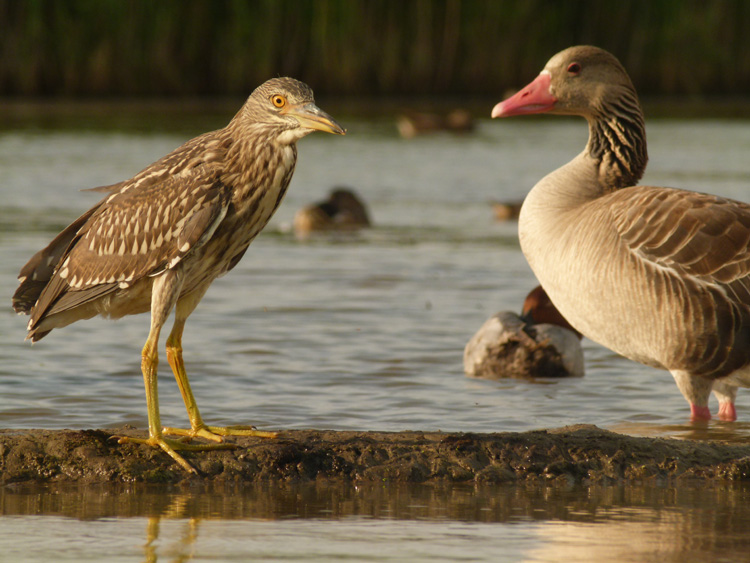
(155, 48)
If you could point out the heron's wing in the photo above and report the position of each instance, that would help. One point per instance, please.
(134, 233)
(105, 189)
(38, 271)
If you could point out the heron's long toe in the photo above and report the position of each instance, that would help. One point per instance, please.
(216, 433)
(170, 446)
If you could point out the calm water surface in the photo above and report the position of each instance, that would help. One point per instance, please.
(374, 522)
(363, 332)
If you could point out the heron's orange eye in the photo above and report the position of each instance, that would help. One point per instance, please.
(278, 100)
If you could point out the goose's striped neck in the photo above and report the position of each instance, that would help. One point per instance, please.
(617, 141)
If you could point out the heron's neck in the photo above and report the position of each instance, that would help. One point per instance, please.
(262, 162)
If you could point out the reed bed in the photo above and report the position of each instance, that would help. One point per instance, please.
(131, 48)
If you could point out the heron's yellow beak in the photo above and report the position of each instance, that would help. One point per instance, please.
(311, 116)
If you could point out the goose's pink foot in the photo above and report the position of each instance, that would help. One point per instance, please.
(727, 411)
(700, 413)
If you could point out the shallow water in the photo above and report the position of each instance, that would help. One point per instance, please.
(361, 332)
(377, 522)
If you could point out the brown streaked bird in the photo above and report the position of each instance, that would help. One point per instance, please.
(159, 240)
(659, 275)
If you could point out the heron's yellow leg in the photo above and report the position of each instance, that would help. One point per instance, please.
(164, 287)
(198, 428)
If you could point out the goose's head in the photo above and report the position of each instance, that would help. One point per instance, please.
(581, 80)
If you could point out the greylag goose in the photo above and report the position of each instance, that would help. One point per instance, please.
(658, 275)
(539, 343)
(342, 211)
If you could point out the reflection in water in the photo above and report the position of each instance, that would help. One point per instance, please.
(703, 430)
(183, 545)
(548, 524)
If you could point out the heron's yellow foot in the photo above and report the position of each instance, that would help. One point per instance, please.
(216, 433)
(170, 446)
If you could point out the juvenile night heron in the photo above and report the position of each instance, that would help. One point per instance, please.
(158, 240)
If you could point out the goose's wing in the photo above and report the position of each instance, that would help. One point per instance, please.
(690, 234)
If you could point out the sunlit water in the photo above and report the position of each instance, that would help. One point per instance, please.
(362, 332)
(375, 522)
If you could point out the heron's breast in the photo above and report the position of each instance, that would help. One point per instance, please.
(256, 197)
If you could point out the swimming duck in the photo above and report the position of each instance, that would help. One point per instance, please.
(342, 211)
(412, 124)
(538, 343)
(506, 210)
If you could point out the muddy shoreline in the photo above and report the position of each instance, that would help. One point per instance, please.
(569, 455)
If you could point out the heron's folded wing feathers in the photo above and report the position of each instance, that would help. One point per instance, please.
(38, 271)
(136, 233)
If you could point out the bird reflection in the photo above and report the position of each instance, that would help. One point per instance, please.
(183, 548)
(701, 430)
(644, 520)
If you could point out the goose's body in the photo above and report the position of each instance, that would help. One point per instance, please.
(659, 275)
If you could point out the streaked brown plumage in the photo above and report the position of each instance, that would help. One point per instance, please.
(659, 275)
(159, 239)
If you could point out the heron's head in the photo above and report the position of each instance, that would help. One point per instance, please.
(289, 105)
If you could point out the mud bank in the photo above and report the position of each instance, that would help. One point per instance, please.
(573, 454)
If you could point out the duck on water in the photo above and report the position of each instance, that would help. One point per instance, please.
(537, 343)
(659, 275)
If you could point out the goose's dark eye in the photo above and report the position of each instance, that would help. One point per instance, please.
(574, 68)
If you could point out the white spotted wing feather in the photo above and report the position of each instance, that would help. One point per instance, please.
(135, 233)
